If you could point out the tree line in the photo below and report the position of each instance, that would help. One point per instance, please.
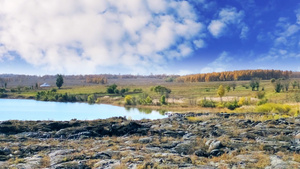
(236, 75)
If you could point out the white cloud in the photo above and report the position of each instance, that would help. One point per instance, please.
(226, 17)
(216, 28)
(4, 54)
(286, 40)
(222, 63)
(199, 43)
(298, 16)
(244, 32)
(81, 36)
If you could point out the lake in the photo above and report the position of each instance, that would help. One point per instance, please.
(20, 109)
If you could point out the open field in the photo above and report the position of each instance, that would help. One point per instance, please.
(182, 93)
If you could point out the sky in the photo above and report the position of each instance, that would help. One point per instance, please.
(143, 37)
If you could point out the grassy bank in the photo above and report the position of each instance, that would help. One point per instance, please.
(183, 96)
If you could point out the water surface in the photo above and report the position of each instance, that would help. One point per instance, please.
(20, 109)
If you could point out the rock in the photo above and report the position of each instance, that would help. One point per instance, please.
(145, 140)
(169, 145)
(106, 164)
(171, 133)
(216, 152)
(58, 155)
(184, 148)
(297, 138)
(213, 144)
(101, 155)
(189, 136)
(201, 153)
(5, 151)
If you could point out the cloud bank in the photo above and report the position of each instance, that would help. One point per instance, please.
(81, 36)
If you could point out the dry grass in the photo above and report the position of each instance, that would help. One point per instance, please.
(263, 160)
(296, 157)
(201, 118)
(45, 162)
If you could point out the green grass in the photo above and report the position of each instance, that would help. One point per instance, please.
(186, 91)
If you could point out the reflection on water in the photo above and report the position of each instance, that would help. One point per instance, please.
(146, 110)
(17, 109)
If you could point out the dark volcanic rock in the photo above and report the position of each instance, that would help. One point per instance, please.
(201, 153)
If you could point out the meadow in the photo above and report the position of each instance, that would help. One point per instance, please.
(184, 96)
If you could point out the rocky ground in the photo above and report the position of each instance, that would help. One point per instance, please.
(180, 141)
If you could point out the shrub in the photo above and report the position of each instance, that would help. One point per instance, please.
(262, 101)
(169, 79)
(163, 99)
(148, 100)
(260, 94)
(2, 90)
(160, 89)
(111, 89)
(243, 101)
(273, 108)
(232, 105)
(128, 100)
(91, 99)
(207, 103)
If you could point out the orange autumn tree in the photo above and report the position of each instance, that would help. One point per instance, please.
(236, 75)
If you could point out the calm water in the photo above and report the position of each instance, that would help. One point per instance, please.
(19, 109)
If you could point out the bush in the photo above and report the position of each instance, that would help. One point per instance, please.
(243, 101)
(273, 108)
(260, 94)
(161, 89)
(262, 101)
(128, 100)
(2, 90)
(3, 95)
(148, 100)
(207, 103)
(232, 105)
(13, 90)
(163, 99)
(91, 99)
(111, 89)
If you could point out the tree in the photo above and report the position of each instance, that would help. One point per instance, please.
(163, 99)
(286, 84)
(91, 99)
(59, 81)
(112, 89)
(278, 86)
(221, 91)
(294, 84)
(148, 100)
(273, 80)
(128, 100)
(228, 88)
(233, 85)
(254, 83)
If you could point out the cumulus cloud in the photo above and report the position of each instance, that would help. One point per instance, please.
(81, 36)
(222, 63)
(216, 28)
(227, 17)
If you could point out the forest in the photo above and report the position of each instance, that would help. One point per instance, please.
(236, 75)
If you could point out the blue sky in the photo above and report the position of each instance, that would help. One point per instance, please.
(148, 36)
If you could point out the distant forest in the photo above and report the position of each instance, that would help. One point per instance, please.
(239, 75)
(30, 80)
